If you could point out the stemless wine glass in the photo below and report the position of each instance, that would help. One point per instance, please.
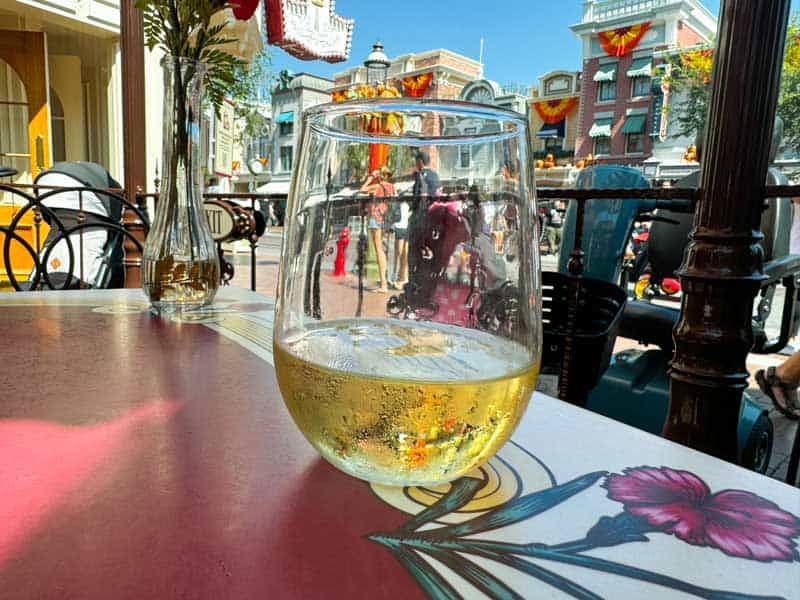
(408, 328)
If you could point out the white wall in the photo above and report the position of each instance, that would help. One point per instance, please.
(154, 108)
(65, 79)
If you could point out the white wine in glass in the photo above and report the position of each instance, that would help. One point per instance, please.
(419, 381)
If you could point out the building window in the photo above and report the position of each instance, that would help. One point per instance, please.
(634, 143)
(286, 158)
(264, 143)
(59, 139)
(606, 91)
(602, 145)
(465, 152)
(553, 143)
(286, 128)
(464, 157)
(640, 86)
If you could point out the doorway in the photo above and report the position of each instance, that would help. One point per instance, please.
(24, 111)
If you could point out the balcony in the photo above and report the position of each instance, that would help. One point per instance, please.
(608, 10)
(103, 14)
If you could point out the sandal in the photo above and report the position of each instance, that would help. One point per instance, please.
(778, 391)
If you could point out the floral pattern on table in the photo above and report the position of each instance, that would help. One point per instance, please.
(655, 501)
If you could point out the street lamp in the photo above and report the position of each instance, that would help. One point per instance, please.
(377, 64)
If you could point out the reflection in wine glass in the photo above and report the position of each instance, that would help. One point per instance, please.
(423, 384)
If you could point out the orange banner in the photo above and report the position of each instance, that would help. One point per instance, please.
(378, 153)
(618, 42)
(553, 111)
(416, 86)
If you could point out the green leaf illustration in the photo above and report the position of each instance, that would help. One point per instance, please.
(519, 509)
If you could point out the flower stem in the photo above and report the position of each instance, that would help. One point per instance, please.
(500, 551)
(573, 546)
(548, 553)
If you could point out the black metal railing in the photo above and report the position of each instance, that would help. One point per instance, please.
(46, 245)
(58, 238)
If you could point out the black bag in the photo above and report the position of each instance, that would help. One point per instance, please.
(391, 216)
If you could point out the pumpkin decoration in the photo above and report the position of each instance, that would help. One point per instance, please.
(549, 162)
(539, 164)
(691, 154)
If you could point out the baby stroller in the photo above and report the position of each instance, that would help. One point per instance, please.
(93, 257)
(455, 273)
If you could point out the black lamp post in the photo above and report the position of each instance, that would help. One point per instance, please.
(377, 64)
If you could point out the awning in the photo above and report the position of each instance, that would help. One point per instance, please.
(601, 128)
(275, 188)
(551, 130)
(634, 124)
(285, 117)
(606, 72)
(641, 67)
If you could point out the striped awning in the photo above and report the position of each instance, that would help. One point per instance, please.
(606, 72)
(634, 124)
(285, 117)
(641, 67)
(551, 130)
(601, 128)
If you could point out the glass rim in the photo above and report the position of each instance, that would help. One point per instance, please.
(315, 117)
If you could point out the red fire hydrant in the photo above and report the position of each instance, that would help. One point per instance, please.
(341, 250)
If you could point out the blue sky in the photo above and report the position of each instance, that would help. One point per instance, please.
(522, 38)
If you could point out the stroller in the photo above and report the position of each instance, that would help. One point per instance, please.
(96, 260)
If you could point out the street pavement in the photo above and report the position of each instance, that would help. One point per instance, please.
(268, 257)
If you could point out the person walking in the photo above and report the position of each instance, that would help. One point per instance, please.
(426, 187)
(400, 228)
(378, 186)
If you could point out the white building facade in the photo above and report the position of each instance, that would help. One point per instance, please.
(61, 85)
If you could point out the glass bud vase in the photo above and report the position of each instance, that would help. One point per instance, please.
(180, 263)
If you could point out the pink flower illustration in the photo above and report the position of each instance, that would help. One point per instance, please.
(737, 522)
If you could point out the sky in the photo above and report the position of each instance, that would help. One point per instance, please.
(523, 39)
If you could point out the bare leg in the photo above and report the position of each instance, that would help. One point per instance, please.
(789, 370)
(781, 385)
(402, 250)
(398, 244)
(377, 243)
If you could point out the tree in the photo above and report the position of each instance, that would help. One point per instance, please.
(689, 79)
(249, 92)
(688, 75)
(789, 102)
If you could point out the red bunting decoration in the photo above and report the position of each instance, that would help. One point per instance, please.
(618, 42)
(553, 111)
(415, 86)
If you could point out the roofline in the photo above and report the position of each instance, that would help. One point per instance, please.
(415, 72)
(685, 6)
(311, 75)
(423, 54)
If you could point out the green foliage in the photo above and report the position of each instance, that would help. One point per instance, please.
(400, 160)
(690, 77)
(183, 28)
(356, 161)
(789, 100)
(249, 90)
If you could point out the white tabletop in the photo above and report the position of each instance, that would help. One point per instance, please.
(590, 507)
